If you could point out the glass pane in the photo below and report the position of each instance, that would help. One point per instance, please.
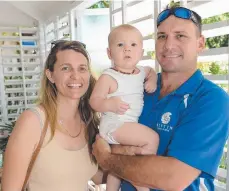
(140, 10)
(149, 45)
(117, 18)
(117, 4)
(146, 27)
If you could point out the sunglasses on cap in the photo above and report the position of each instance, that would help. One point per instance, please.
(67, 42)
(179, 12)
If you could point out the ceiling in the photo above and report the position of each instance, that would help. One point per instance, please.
(20, 12)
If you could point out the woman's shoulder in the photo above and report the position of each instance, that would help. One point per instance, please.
(30, 118)
(27, 127)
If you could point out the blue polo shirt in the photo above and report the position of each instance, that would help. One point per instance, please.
(192, 123)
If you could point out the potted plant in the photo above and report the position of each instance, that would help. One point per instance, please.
(5, 131)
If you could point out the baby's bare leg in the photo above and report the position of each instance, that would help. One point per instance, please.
(113, 183)
(135, 134)
(142, 188)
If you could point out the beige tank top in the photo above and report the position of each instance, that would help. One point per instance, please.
(58, 169)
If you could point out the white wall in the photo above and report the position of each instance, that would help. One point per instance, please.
(11, 16)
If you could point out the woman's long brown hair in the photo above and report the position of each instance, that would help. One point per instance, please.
(48, 95)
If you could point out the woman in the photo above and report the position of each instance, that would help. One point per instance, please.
(65, 161)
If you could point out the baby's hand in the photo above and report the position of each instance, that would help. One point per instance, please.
(150, 86)
(116, 105)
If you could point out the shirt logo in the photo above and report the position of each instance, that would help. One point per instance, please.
(165, 118)
(186, 100)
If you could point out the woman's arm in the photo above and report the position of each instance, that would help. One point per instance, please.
(20, 147)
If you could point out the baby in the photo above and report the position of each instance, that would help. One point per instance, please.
(118, 95)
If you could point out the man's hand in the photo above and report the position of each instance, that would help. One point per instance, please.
(101, 151)
(116, 105)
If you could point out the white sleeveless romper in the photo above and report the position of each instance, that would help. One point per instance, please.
(130, 90)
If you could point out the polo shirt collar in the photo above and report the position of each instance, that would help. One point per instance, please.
(189, 87)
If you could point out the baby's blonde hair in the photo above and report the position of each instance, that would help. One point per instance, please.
(122, 27)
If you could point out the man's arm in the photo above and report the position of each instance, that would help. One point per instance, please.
(200, 128)
(152, 171)
(125, 150)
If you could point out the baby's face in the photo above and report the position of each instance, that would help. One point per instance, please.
(126, 48)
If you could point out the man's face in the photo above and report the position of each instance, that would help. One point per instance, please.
(178, 44)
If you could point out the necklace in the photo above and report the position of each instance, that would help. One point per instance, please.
(123, 72)
(72, 136)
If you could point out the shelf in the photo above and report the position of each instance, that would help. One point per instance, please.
(130, 4)
(28, 81)
(27, 64)
(10, 46)
(14, 90)
(12, 65)
(29, 73)
(25, 47)
(32, 97)
(28, 29)
(21, 71)
(13, 115)
(141, 19)
(13, 82)
(50, 32)
(32, 89)
(64, 38)
(214, 54)
(15, 98)
(31, 56)
(9, 29)
(10, 38)
(147, 58)
(11, 56)
(217, 77)
(21, 98)
(13, 74)
(216, 29)
(31, 105)
(148, 37)
(29, 38)
(50, 41)
(63, 28)
(15, 106)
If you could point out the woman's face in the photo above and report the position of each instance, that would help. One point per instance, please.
(71, 74)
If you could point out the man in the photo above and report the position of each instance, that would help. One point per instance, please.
(190, 114)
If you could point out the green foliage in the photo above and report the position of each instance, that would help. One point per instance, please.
(5, 128)
(214, 68)
(223, 161)
(220, 68)
(216, 18)
(173, 4)
(217, 42)
(100, 4)
(152, 54)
